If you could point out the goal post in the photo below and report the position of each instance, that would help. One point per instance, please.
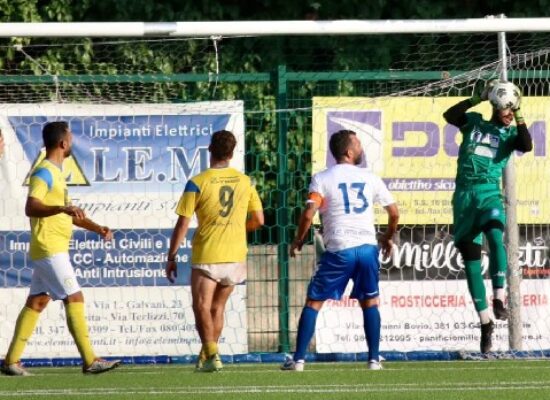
(513, 276)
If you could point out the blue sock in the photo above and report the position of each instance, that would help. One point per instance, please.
(306, 329)
(371, 322)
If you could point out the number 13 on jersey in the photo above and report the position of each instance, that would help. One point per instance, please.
(355, 187)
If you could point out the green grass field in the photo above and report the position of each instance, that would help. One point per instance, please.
(447, 380)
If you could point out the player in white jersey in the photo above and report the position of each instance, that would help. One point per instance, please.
(344, 195)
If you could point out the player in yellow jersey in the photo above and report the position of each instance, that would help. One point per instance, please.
(227, 207)
(52, 216)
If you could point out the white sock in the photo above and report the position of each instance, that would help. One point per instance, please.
(499, 294)
(484, 316)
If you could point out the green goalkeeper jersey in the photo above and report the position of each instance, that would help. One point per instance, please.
(484, 151)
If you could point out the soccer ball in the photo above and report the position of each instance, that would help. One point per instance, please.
(505, 95)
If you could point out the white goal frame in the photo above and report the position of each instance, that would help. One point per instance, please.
(491, 24)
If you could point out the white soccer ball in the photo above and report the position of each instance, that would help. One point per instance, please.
(504, 95)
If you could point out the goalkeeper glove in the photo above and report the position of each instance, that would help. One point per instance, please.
(518, 116)
(478, 97)
(484, 95)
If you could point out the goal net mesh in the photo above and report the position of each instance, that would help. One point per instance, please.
(141, 110)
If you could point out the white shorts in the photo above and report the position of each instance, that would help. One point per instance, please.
(55, 276)
(227, 274)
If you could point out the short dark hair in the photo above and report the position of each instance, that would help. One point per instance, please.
(222, 145)
(53, 133)
(340, 142)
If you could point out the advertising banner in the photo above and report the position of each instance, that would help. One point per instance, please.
(128, 168)
(408, 143)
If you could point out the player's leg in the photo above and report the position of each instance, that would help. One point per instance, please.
(306, 327)
(228, 275)
(329, 282)
(24, 327)
(78, 327)
(62, 284)
(492, 222)
(471, 254)
(36, 302)
(372, 325)
(221, 295)
(467, 238)
(202, 291)
(366, 290)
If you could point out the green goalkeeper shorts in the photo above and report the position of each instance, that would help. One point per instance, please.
(473, 207)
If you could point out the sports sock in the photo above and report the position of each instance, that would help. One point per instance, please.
(371, 323)
(475, 284)
(76, 322)
(498, 293)
(306, 329)
(484, 316)
(26, 321)
(210, 348)
(497, 257)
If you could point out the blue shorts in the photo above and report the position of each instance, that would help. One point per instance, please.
(334, 271)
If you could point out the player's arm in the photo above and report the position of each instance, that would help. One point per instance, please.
(386, 241)
(91, 226)
(523, 141)
(456, 115)
(255, 220)
(306, 219)
(178, 234)
(35, 208)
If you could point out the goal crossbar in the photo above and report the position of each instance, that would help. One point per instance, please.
(271, 28)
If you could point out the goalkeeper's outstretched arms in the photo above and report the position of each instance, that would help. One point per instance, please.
(456, 115)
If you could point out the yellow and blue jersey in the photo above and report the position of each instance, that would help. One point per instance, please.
(49, 235)
(221, 199)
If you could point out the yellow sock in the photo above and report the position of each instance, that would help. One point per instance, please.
(23, 330)
(210, 349)
(76, 321)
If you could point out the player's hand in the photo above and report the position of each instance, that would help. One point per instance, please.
(105, 232)
(171, 270)
(484, 95)
(518, 116)
(386, 245)
(73, 211)
(295, 246)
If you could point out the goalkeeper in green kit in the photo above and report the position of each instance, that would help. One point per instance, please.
(477, 201)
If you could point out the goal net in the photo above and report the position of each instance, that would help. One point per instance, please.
(142, 112)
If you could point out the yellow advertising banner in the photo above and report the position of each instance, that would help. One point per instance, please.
(409, 144)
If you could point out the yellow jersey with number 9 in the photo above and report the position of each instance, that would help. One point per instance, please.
(49, 235)
(221, 199)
